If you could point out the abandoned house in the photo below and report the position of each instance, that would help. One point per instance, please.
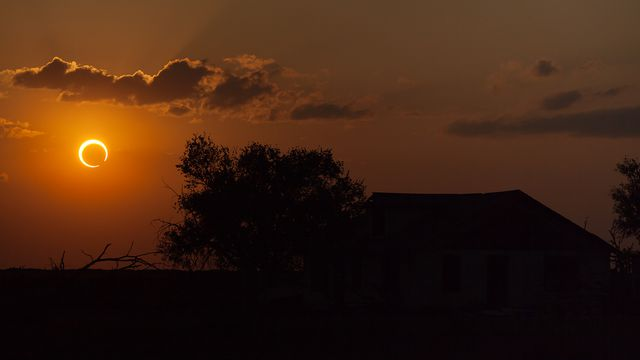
(502, 249)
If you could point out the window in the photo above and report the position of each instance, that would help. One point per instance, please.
(451, 273)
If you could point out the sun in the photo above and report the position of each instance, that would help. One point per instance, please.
(84, 146)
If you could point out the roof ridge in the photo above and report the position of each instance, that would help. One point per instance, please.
(473, 201)
(447, 194)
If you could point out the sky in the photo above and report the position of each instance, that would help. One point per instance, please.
(413, 96)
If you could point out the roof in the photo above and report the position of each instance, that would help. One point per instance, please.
(509, 220)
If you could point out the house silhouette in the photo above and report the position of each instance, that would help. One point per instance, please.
(501, 249)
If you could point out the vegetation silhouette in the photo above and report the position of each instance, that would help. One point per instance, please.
(626, 222)
(259, 208)
(263, 210)
(128, 261)
(626, 199)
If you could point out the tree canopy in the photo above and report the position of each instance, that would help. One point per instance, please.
(258, 208)
(626, 198)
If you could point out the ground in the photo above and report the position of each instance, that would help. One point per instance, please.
(181, 315)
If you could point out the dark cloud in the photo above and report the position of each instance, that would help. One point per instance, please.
(615, 91)
(260, 88)
(544, 68)
(610, 123)
(326, 111)
(179, 110)
(561, 100)
(179, 79)
(4, 177)
(237, 90)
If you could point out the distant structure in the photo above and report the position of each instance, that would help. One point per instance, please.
(492, 250)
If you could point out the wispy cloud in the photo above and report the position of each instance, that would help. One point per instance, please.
(16, 130)
(515, 72)
(326, 111)
(561, 100)
(609, 123)
(611, 92)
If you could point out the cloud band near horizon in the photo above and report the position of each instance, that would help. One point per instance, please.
(604, 123)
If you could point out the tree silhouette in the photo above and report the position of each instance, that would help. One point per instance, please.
(258, 208)
(626, 199)
(626, 223)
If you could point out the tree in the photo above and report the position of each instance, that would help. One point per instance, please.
(258, 208)
(626, 208)
(622, 258)
(626, 199)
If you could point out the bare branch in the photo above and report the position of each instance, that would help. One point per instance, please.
(89, 255)
(130, 247)
(170, 188)
(95, 260)
(130, 261)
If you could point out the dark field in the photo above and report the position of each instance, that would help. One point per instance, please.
(208, 315)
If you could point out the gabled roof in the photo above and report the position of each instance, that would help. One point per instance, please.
(510, 220)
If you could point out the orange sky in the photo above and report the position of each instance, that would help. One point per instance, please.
(414, 97)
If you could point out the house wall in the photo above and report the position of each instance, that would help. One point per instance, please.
(394, 272)
(417, 278)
